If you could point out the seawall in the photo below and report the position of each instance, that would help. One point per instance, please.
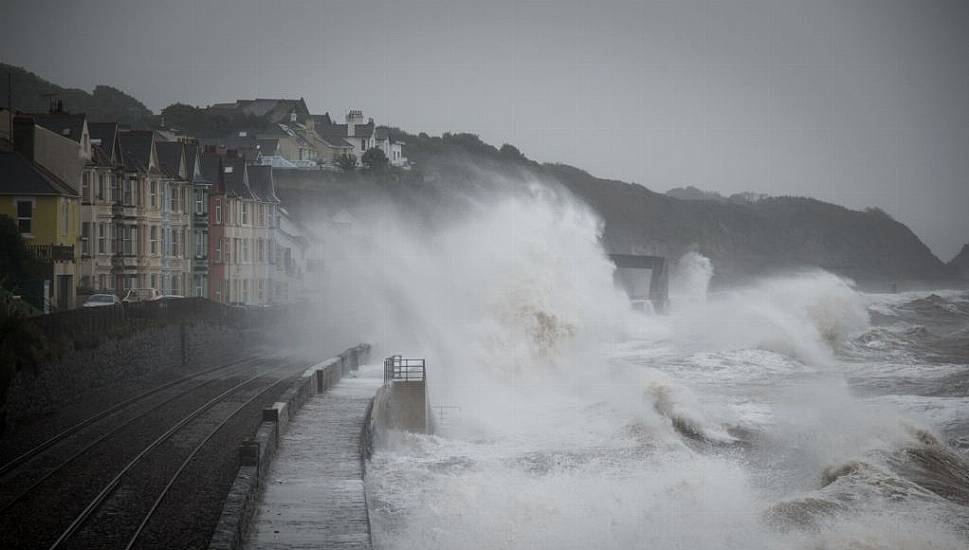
(257, 453)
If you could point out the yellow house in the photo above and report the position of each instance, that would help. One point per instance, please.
(47, 213)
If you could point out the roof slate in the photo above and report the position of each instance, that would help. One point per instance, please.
(136, 149)
(19, 176)
(261, 182)
(170, 157)
(69, 125)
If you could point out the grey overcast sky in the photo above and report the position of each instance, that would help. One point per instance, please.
(862, 103)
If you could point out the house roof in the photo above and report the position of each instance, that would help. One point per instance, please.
(104, 141)
(325, 127)
(268, 147)
(235, 177)
(246, 146)
(69, 125)
(19, 176)
(273, 109)
(261, 182)
(210, 164)
(192, 151)
(136, 148)
(170, 155)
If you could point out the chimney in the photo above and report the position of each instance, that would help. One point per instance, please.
(22, 136)
(354, 117)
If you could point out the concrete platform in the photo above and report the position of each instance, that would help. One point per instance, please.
(314, 495)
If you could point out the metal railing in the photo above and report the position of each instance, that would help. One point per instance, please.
(398, 369)
(52, 252)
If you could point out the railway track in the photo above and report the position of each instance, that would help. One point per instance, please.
(121, 487)
(75, 428)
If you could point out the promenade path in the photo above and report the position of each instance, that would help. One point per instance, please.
(314, 496)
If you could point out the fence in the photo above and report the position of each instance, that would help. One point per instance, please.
(398, 369)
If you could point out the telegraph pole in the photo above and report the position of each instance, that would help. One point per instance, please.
(10, 105)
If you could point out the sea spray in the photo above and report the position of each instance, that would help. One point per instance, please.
(585, 424)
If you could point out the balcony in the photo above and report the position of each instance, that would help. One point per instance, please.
(124, 261)
(52, 252)
(119, 210)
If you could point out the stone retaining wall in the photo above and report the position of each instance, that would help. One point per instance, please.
(49, 386)
(256, 454)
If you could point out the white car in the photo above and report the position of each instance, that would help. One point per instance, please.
(101, 300)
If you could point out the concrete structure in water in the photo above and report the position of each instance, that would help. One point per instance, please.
(402, 402)
(643, 278)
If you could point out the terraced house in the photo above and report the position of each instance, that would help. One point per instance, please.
(212, 171)
(240, 270)
(98, 271)
(201, 187)
(176, 219)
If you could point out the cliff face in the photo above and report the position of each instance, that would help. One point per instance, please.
(755, 238)
(960, 264)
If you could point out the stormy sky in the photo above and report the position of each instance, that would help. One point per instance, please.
(862, 103)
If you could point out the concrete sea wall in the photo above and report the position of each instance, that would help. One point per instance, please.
(256, 454)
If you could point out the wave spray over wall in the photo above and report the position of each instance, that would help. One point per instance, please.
(575, 422)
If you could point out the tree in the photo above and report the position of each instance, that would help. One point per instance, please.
(15, 261)
(375, 160)
(511, 152)
(347, 162)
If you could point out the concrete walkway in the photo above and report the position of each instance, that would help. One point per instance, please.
(314, 496)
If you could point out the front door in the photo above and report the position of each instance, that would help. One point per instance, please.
(63, 291)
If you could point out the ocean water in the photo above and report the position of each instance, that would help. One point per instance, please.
(797, 413)
(790, 412)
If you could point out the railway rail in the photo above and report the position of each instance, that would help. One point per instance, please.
(107, 490)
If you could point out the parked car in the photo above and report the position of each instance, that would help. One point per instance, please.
(142, 295)
(101, 300)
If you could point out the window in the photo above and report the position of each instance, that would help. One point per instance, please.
(245, 213)
(100, 189)
(153, 193)
(115, 191)
(218, 211)
(198, 244)
(174, 242)
(131, 193)
(363, 145)
(245, 250)
(153, 240)
(154, 280)
(173, 197)
(65, 216)
(85, 238)
(102, 282)
(218, 250)
(25, 216)
(102, 249)
(128, 234)
(261, 285)
(245, 290)
(199, 201)
(86, 186)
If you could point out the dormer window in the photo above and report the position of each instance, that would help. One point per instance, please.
(66, 132)
(243, 133)
(292, 116)
(228, 169)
